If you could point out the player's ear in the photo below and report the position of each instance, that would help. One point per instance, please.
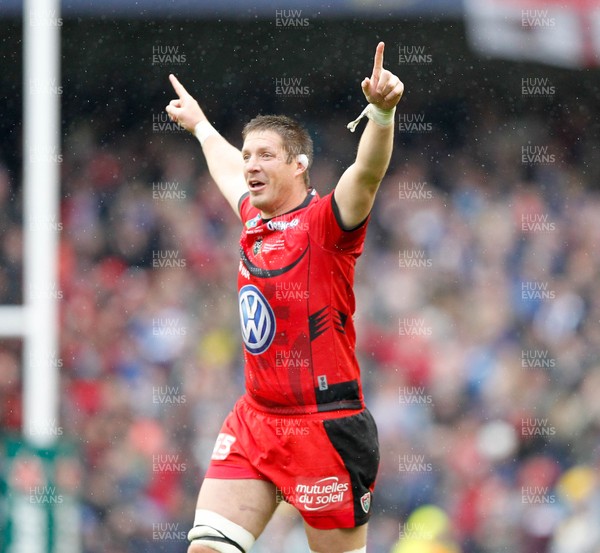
(301, 164)
(302, 161)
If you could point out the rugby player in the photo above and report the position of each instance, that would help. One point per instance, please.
(301, 430)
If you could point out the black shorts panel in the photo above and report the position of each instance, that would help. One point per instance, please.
(355, 439)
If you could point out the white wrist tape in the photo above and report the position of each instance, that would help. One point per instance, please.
(203, 130)
(383, 117)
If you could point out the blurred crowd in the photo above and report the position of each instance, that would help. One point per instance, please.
(478, 326)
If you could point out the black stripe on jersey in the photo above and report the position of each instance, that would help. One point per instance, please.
(355, 439)
(259, 272)
(335, 393)
(317, 323)
(340, 320)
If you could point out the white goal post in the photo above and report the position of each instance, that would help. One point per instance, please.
(36, 321)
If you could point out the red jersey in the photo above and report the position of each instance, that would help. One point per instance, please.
(296, 302)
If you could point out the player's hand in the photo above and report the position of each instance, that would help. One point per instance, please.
(383, 88)
(185, 110)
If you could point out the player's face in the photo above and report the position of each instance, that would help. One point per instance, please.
(275, 185)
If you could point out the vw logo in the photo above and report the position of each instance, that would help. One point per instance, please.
(257, 318)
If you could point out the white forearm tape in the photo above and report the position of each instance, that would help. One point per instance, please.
(383, 117)
(203, 130)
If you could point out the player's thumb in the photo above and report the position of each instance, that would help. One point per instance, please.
(365, 84)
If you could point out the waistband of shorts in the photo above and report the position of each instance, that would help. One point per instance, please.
(322, 411)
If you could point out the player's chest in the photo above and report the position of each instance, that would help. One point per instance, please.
(275, 245)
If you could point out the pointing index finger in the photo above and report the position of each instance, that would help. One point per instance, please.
(378, 63)
(179, 89)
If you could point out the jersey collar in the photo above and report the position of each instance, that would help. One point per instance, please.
(312, 193)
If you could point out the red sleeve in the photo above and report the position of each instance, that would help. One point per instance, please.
(326, 228)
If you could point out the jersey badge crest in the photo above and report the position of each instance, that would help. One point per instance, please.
(365, 502)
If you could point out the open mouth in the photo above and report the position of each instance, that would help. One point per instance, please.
(256, 185)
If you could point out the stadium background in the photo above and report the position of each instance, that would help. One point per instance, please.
(478, 292)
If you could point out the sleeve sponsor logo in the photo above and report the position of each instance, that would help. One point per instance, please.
(251, 223)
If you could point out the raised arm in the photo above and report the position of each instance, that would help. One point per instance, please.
(224, 160)
(356, 189)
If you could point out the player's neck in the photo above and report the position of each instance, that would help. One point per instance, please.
(289, 207)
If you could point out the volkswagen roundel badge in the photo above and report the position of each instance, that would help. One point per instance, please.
(257, 319)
